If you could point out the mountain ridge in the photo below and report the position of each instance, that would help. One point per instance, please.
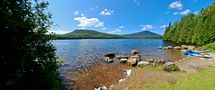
(92, 34)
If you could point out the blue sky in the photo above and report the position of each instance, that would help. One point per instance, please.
(120, 16)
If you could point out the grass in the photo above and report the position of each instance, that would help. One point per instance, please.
(203, 80)
(153, 78)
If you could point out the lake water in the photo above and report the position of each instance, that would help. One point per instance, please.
(81, 53)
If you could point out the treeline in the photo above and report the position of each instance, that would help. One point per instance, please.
(196, 29)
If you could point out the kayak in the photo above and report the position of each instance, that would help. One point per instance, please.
(196, 53)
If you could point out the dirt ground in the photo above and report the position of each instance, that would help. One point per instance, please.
(99, 75)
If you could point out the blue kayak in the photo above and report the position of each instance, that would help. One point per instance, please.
(196, 53)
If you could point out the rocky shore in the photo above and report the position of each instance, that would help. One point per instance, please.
(118, 70)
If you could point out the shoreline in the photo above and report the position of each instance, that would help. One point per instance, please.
(109, 75)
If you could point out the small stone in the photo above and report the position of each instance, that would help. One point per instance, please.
(168, 64)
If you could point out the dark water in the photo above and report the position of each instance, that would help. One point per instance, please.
(86, 52)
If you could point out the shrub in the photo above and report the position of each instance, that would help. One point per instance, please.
(171, 68)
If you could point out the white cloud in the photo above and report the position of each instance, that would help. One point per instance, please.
(163, 26)
(176, 5)
(89, 22)
(185, 12)
(76, 13)
(106, 12)
(115, 31)
(147, 27)
(121, 27)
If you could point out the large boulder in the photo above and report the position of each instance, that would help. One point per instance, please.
(132, 61)
(189, 47)
(184, 46)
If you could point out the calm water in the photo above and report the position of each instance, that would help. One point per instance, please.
(86, 52)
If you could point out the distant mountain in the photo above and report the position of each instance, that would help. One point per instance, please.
(87, 34)
(143, 34)
(91, 34)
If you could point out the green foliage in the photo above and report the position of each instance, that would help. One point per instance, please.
(171, 68)
(210, 47)
(27, 58)
(193, 29)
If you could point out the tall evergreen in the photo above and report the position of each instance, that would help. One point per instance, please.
(193, 29)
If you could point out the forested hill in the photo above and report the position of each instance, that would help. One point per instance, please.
(193, 29)
(143, 34)
(91, 34)
(87, 34)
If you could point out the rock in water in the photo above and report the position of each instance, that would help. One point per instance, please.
(108, 60)
(134, 51)
(110, 55)
(132, 61)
